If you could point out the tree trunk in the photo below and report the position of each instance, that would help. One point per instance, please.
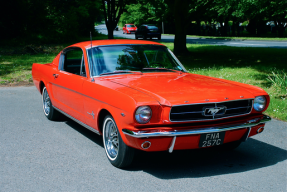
(225, 27)
(238, 29)
(198, 29)
(112, 13)
(180, 10)
(110, 32)
(233, 28)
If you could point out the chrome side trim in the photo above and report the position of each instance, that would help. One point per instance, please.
(141, 134)
(172, 144)
(78, 121)
(213, 103)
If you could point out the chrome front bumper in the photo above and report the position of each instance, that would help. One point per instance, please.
(145, 134)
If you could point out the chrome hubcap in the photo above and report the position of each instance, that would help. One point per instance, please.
(46, 102)
(111, 139)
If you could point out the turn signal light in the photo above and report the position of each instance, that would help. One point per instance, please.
(260, 130)
(146, 144)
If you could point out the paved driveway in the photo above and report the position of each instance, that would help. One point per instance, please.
(194, 40)
(40, 155)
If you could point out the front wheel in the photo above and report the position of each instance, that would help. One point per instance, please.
(48, 108)
(119, 154)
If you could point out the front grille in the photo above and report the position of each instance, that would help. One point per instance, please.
(197, 112)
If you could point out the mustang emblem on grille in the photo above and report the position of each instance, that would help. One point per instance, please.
(212, 111)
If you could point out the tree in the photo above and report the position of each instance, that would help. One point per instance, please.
(112, 12)
(38, 21)
(182, 17)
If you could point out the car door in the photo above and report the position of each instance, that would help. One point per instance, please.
(68, 81)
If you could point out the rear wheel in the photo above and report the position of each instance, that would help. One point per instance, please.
(48, 108)
(119, 154)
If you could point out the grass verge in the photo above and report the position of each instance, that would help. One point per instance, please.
(247, 65)
(237, 38)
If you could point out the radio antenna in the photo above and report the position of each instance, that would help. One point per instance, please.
(92, 58)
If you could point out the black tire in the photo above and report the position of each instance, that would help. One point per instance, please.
(119, 154)
(49, 111)
(159, 37)
(144, 37)
(136, 37)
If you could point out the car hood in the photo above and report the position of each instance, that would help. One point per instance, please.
(174, 88)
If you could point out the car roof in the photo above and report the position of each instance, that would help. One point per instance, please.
(87, 44)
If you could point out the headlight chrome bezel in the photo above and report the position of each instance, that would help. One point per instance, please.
(259, 103)
(141, 112)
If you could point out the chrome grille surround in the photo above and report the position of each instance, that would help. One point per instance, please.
(242, 106)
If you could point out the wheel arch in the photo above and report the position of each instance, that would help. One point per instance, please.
(101, 116)
(41, 86)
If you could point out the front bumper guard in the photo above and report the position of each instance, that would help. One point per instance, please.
(196, 131)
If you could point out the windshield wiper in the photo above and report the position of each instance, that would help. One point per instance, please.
(165, 69)
(121, 71)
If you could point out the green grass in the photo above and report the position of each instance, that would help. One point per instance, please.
(247, 65)
(237, 38)
(17, 68)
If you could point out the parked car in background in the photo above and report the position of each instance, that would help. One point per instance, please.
(138, 96)
(148, 31)
(129, 28)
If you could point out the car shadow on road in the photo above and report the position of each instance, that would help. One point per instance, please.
(87, 133)
(250, 155)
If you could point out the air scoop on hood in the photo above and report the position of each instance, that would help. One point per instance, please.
(176, 89)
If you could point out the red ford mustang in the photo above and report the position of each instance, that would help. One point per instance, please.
(137, 95)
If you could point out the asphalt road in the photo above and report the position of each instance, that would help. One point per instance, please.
(235, 43)
(40, 155)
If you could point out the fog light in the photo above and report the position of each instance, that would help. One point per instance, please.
(146, 145)
(260, 130)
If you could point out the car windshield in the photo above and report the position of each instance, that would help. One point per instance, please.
(125, 58)
(152, 27)
(130, 25)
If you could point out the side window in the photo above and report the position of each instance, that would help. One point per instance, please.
(73, 61)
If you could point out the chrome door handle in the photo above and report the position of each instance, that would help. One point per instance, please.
(56, 76)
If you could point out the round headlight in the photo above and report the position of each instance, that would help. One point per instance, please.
(143, 114)
(259, 103)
